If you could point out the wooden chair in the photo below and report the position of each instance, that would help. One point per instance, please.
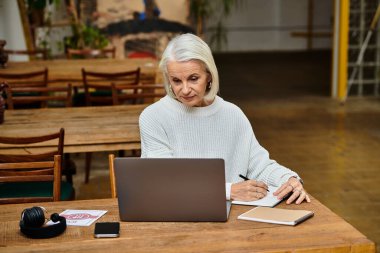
(26, 79)
(79, 97)
(143, 93)
(33, 54)
(98, 85)
(91, 53)
(98, 91)
(26, 182)
(111, 157)
(41, 95)
(68, 166)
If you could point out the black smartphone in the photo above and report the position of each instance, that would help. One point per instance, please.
(107, 229)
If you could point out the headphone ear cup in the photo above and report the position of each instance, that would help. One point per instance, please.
(33, 217)
(54, 217)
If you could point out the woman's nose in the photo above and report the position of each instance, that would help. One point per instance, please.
(186, 89)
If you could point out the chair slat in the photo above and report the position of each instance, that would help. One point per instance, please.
(40, 178)
(23, 173)
(25, 165)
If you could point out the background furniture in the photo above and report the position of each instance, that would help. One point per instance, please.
(42, 95)
(143, 94)
(325, 232)
(66, 71)
(111, 157)
(38, 78)
(85, 130)
(33, 54)
(53, 145)
(97, 90)
(29, 78)
(91, 53)
(97, 85)
(55, 139)
(25, 182)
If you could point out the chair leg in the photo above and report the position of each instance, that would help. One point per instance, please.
(87, 166)
(121, 153)
(68, 168)
(136, 152)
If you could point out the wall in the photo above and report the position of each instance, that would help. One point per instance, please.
(2, 20)
(116, 10)
(259, 25)
(11, 28)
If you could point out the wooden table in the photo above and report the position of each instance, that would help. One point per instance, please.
(65, 71)
(325, 232)
(87, 129)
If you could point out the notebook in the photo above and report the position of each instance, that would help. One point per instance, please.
(171, 189)
(269, 200)
(276, 215)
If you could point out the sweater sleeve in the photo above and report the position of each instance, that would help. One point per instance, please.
(154, 140)
(262, 168)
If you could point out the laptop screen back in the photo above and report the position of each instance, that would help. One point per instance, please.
(170, 189)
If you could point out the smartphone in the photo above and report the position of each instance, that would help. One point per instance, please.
(107, 229)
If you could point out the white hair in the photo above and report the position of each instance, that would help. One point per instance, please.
(187, 47)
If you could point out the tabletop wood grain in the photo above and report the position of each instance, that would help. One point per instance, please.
(325, 232)
(87, 129)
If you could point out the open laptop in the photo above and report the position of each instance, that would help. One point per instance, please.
(171, 189)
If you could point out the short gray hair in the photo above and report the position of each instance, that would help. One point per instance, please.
(188, 47)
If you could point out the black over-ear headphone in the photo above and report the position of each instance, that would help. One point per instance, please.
(33, 219)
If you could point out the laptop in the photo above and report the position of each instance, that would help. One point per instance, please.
(171, 189)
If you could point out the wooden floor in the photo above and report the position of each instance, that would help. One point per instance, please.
(335, 148)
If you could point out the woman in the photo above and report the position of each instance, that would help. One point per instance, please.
(191, 121)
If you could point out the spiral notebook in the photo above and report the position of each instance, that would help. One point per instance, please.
(276, 215)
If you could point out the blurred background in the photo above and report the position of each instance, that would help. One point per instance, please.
(305, 72)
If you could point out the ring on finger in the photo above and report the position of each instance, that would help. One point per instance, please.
(291, 186)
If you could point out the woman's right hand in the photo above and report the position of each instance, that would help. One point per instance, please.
(248, 190)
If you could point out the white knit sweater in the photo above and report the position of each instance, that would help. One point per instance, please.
(169, 128)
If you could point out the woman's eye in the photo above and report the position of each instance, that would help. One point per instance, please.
(194, 78)
(176, 80)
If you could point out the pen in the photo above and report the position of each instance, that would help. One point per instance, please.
(246, 178)
(243, 177)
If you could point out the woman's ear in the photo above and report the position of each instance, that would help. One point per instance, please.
(209, 78)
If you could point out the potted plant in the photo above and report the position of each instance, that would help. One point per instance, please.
(83, 36)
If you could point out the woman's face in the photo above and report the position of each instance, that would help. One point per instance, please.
(188, 81)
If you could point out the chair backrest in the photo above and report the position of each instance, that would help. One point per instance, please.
(26, 79)
(142, 93)
(33, 54)
(22, 172)
(111, 157)
(42, 95)
(94, 82)
(91, 53)
(46, 155)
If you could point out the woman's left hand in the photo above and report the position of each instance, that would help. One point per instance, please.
(292, 185)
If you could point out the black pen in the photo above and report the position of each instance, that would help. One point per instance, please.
(243, 177)
(246, 178)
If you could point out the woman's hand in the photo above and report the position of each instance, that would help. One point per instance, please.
(292, 185)
(248, 190)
